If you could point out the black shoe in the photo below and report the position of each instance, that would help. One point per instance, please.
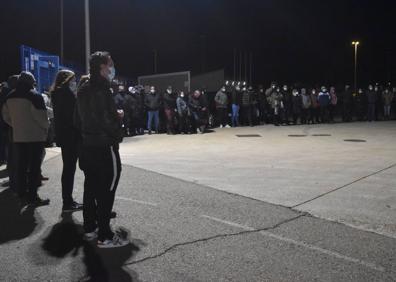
(113, 214)
(74, 206)
(149, 132)
(38, 202)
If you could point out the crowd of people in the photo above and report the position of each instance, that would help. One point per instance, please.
(89, 118)
(240, 105)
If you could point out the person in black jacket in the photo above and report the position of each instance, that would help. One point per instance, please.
(153, 102)
(371, 96)
(135, 107)
(347, 104)
(170, 110)
(67, 137)
(296, 105)
(99, 121)
(199, 110)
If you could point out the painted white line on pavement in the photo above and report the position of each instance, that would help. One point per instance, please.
(136, 201)
(131, 200)
(301, 244)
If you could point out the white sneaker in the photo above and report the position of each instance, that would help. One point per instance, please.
(227, 126)
(116, 242)
(198, 131)
(221, 126)
(91, 235)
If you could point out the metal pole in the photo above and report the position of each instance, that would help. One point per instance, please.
(87, 37)
(240, 65)
(251, 69)
(61, 32)
(234, 77)
(155, 61)
(356, 49)
(246, 67)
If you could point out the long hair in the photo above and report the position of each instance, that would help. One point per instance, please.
(62, 78)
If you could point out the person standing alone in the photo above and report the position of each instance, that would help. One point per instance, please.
(99, 122)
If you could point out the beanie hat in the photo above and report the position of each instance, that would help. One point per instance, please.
(27, 78)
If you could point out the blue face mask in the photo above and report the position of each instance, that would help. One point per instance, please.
(112, 73)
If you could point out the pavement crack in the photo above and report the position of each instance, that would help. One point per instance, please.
(175, 246)
(343, 186)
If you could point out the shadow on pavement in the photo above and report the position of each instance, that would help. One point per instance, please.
(101, 265)
(16, 222)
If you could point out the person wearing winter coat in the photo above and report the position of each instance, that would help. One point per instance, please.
(324, 102)
(198, 106)
(170, 110)
(387, 98)
(183, 113)
(25, 112)
(247, 106)
(236, 99)
(360, 104)
(305, 107)
(296, 105)
(347, 104)
(287, 110)
(276, 100)
(153, 102)
(379, 106)
(135, 106)
(371, 96)
(315, 107)
(333, 103)
(221, 101)
(68, 138)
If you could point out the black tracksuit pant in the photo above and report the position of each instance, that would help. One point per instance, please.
(69, 158)
(27, 168)
(102, 169)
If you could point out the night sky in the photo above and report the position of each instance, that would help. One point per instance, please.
(292, 41)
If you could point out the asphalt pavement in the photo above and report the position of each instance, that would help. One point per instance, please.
(183, 230)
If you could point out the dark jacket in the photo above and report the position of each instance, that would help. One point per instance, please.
(153, 101)
(246, 98)
(134, 104)
(197, 104)
(297, 104)
(324, 99)
(96, 114)
(371, 97)
(64, 102)
(170, 101)
(236, 97)
(119, 100)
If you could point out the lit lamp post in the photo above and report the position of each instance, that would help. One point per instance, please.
(355, 44)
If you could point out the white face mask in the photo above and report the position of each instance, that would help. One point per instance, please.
(223, 90)
(169, 91)
(73, 86)
(182, 95)
(112, 73)
(152, 91)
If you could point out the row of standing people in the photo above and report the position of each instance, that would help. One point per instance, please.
(281, 105)
(181, 113)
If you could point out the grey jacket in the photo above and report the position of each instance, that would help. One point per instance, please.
(221, 99)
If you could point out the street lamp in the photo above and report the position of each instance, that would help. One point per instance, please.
(355, 44)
